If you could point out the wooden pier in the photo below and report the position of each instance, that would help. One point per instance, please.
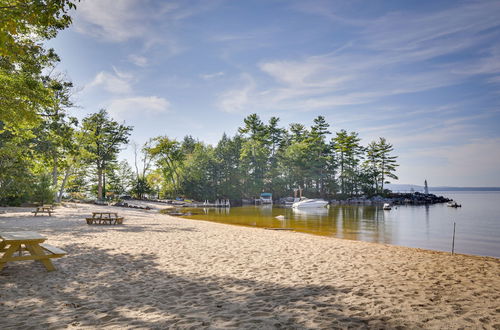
(217, 203)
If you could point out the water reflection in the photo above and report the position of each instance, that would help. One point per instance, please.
(428, 227)
(343, 221)
(308, 213)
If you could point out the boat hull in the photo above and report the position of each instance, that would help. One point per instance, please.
(310, 204)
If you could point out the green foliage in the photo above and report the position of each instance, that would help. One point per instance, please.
(15, 174)
(141, 187)
(348, 153)
(78, 182)
(380, 164)
(199, 173)
(22, 97)
(265, 157)
(23, 19)
(24, 91)
(101, 138)
(169, 158)
(227, 168)
(120, 179)
(43, 191)
(33, 129)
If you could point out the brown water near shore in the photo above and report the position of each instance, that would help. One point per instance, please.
(428, 227)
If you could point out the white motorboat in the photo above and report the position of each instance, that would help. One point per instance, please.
(307, 203)
(387, 206)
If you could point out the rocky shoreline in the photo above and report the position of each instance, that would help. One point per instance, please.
(396, 199)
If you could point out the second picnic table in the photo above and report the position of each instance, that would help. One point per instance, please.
(105, 218)
(44, 209)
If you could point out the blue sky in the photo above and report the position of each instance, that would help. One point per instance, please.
(423, 74)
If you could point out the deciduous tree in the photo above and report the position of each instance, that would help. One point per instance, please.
(102, 138)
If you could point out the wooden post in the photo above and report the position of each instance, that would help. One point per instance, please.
(453, 241)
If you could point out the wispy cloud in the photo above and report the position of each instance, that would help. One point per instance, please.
(391, 55)
(151, 22)
(121, 101)
(237, 99)
(494, 80)
(138, 106)
(488, 65)
(115, 82)
(210, 76)
(435, 33)
(138, 60)
(114, 21)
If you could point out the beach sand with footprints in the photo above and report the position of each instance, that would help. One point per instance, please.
(158, 271)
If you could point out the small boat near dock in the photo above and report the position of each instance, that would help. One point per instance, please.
(387, 207)
(310, 203)
(453, 204)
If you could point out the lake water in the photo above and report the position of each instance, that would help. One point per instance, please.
(428, 227)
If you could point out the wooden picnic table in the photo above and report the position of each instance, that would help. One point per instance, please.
(29, 246)
(105, 218)
(44, 209)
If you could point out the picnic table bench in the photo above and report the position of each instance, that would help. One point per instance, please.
(105, 218)
(44, 209)
(29, 246)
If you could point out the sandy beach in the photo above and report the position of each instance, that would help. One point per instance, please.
(156, 271)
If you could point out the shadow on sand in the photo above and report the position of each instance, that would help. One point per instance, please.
(131, 291)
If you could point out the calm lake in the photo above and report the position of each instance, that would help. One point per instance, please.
(428, 227)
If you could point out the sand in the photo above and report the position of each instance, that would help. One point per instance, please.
(156, 271)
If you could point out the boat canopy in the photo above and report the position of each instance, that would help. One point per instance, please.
(266, 195)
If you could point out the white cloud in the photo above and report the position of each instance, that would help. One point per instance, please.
(138, 106)
(237, 99)
(154, 22)
(117, 82)
(297, 73)
(111, 20)
(138, 60)
(391, 56)
(210, 76)
(228, 37)
(338, 80)
(433, 33)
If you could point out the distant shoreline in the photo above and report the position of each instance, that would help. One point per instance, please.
(464, 189)
(411, 187)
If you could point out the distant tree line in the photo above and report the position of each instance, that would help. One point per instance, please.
(264, 157)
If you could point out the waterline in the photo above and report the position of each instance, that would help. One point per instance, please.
(427, 227)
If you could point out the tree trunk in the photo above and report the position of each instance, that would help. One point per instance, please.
(104, 184)
(54, 177)
(99, 183)
(63, 184)
(383, 176)
(342, 175)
